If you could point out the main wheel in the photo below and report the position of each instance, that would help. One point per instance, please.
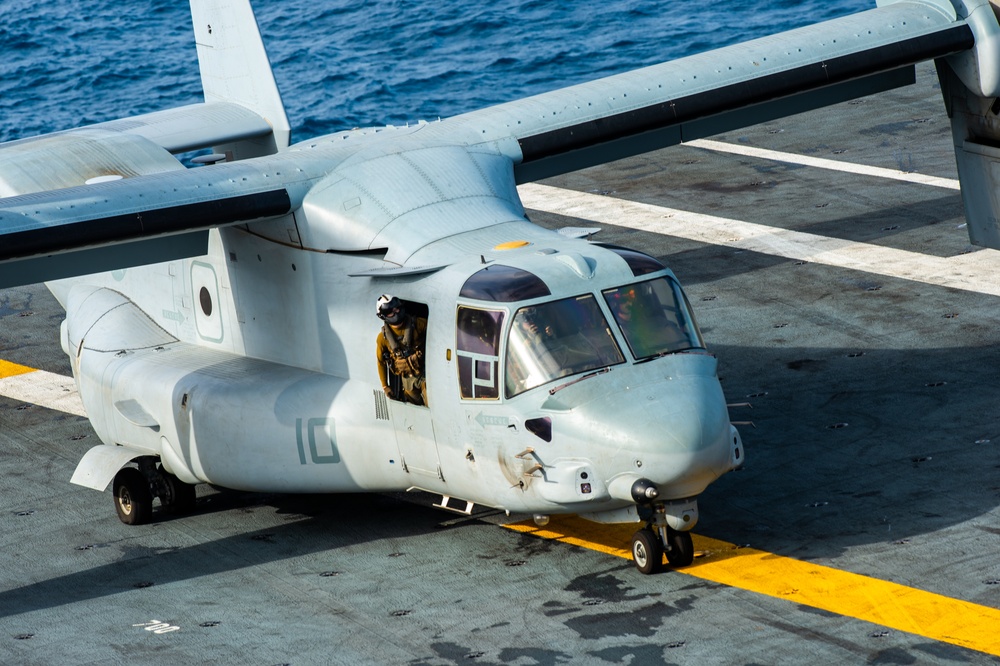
(179, 497)
(133, 501)
(681, 551)
(647, 551)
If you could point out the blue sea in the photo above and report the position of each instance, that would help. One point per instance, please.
(340, 64)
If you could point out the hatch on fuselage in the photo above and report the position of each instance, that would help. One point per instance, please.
(408, 409)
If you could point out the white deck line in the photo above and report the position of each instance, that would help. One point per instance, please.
(977, 271)
(45, 389)
(822, 163)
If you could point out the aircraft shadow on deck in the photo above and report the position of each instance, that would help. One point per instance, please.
(317, 523)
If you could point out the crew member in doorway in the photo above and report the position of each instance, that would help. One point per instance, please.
(400, 352)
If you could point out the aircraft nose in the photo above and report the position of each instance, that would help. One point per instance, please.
(681, 440)
(674, 431)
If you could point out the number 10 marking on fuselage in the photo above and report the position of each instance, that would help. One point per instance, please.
(322, 441)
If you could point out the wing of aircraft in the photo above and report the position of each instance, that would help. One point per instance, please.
(548, 134)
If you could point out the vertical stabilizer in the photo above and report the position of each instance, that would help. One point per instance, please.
(235, 68)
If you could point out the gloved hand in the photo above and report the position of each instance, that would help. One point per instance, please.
(414, 363)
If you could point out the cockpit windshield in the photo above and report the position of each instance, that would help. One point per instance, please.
(654, 317)
(557, 339)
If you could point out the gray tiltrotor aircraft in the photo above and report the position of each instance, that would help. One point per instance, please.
(221, 320)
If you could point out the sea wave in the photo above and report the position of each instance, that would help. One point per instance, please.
(344, 64)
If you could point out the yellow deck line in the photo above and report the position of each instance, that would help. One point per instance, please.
(881, 602)
(8, 369)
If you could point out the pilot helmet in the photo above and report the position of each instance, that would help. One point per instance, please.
(389, 308)
(624, 299)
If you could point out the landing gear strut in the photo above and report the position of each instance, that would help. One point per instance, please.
(135, 489)
(658, 538)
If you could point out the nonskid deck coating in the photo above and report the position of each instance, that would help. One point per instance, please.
(876, 452)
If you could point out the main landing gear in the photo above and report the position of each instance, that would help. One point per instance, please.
(134, 491)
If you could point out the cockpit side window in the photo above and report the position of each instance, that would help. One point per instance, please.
(478, 352)
(557, 339)
(654, 317)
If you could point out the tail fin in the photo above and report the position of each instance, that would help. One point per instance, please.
(235, 68)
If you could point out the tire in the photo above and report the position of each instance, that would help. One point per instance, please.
(133, 501)
(180, 497)
(681, 552)
(647, 551)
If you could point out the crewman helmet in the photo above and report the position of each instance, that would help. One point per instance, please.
(389, 308)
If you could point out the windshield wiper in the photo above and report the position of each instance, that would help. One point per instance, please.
(656, 356)
(669, 352)
(552, 391)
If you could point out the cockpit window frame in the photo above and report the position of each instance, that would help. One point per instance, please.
(479, 371)
(607, 340)
(685, 310)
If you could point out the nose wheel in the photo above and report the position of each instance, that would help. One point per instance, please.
(681, 551)
(649, 546)
(647, 551)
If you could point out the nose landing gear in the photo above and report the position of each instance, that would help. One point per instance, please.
(649, 546)
(647, 551)
(658, 538)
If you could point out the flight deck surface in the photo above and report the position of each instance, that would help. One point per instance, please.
(844, 306)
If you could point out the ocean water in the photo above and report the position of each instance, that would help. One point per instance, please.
(340, 64)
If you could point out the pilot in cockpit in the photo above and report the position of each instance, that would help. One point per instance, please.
(532, 328)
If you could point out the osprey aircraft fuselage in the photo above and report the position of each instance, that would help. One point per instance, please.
(221, 322)
(231, 369)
